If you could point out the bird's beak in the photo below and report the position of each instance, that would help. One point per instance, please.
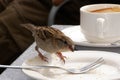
(71, 48)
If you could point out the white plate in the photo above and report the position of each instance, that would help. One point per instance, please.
(77, 36)
(108, 71)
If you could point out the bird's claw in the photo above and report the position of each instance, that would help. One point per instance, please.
(63, 60)
(61, 56)
(44, 59)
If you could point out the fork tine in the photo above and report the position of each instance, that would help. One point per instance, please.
(93, 65)
(97, 65)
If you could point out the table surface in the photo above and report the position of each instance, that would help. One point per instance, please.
(17, 74)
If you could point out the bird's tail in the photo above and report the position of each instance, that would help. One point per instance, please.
(29, 26)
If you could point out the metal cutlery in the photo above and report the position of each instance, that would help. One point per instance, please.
(84, 69)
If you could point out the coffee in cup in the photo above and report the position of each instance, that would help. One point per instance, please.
(107, 10)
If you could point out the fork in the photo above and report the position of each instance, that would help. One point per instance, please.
(84, 69)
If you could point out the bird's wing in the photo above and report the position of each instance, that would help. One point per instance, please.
(50, 33)
(60, 36)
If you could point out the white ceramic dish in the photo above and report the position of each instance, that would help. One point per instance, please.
(77, 36)
(108, 71)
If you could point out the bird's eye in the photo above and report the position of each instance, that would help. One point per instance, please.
(65, 42)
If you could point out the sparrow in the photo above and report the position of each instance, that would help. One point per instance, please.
(50, 40)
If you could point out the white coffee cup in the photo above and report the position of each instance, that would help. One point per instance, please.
(100, 27)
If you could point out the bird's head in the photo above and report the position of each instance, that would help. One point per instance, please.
(66, 43)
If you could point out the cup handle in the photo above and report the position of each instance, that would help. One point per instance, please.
(100, 24)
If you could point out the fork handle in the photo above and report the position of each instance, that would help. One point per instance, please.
(17, 67)
(29, 67)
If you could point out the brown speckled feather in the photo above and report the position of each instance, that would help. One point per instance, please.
(50, 39)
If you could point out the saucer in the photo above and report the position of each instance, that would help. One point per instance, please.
(78, 38)
(109, 70)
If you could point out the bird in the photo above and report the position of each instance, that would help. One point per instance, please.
(51, 40)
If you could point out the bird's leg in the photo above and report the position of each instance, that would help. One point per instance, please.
(61, 56)
(40, 55)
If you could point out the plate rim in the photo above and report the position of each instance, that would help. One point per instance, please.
(86, 43)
